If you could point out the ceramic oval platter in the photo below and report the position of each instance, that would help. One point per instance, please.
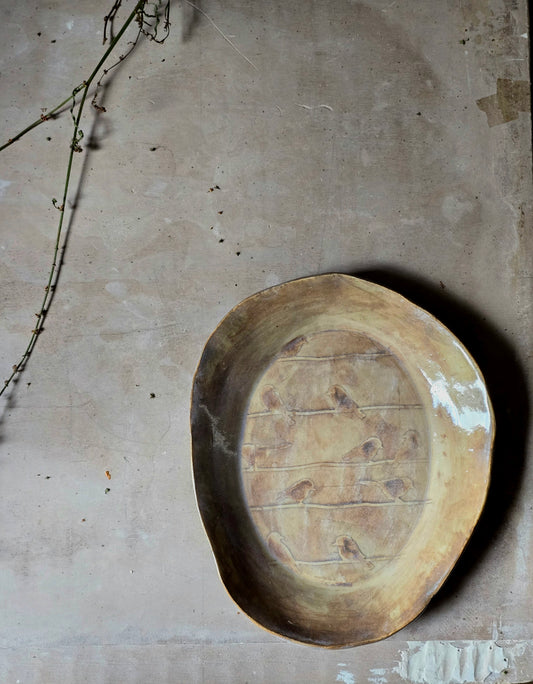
(341, 453)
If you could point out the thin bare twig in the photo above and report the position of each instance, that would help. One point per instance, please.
(109, 20)
(137, 14)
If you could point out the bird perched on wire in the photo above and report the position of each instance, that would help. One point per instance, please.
(409, 446)
(271, 399)
(277, 546)
(248, 453)
(297, 492)
(397, 487)
(349, 550)
(343, 403)
(293, 347)
(366, 451)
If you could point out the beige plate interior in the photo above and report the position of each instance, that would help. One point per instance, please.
(341, 454)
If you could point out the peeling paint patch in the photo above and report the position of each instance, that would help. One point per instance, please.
(456, 662)
(511, 98)
(346, 677)
(378, 676)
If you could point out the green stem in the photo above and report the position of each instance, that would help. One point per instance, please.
(42, 119)
(54, 271)
(81, 86)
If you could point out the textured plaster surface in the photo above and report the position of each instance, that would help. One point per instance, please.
(390, 140)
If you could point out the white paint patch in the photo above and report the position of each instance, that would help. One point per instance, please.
(70, 25)
(495, 626)
(441, 396)
(473, 409)
(346, 677)
(465, 404)
(4, 185)
(378, 676)
(455, 662)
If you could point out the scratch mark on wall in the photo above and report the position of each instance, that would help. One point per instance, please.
(511, 98)
(311, 107)
(225, 36)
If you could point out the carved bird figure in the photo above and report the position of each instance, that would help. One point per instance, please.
(248, 453)
(366, 451)
(271, 399)
(277, 546)
(408, 447)
(397, 487)
(342, 401)
(294, 346)
(297, 492)
(349, 550)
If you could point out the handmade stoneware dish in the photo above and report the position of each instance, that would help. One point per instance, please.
(341, 453)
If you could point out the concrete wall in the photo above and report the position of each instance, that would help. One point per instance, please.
(390, 140)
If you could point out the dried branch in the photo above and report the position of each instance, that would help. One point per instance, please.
(76, 110)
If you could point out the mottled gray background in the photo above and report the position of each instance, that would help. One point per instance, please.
(389, 140)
